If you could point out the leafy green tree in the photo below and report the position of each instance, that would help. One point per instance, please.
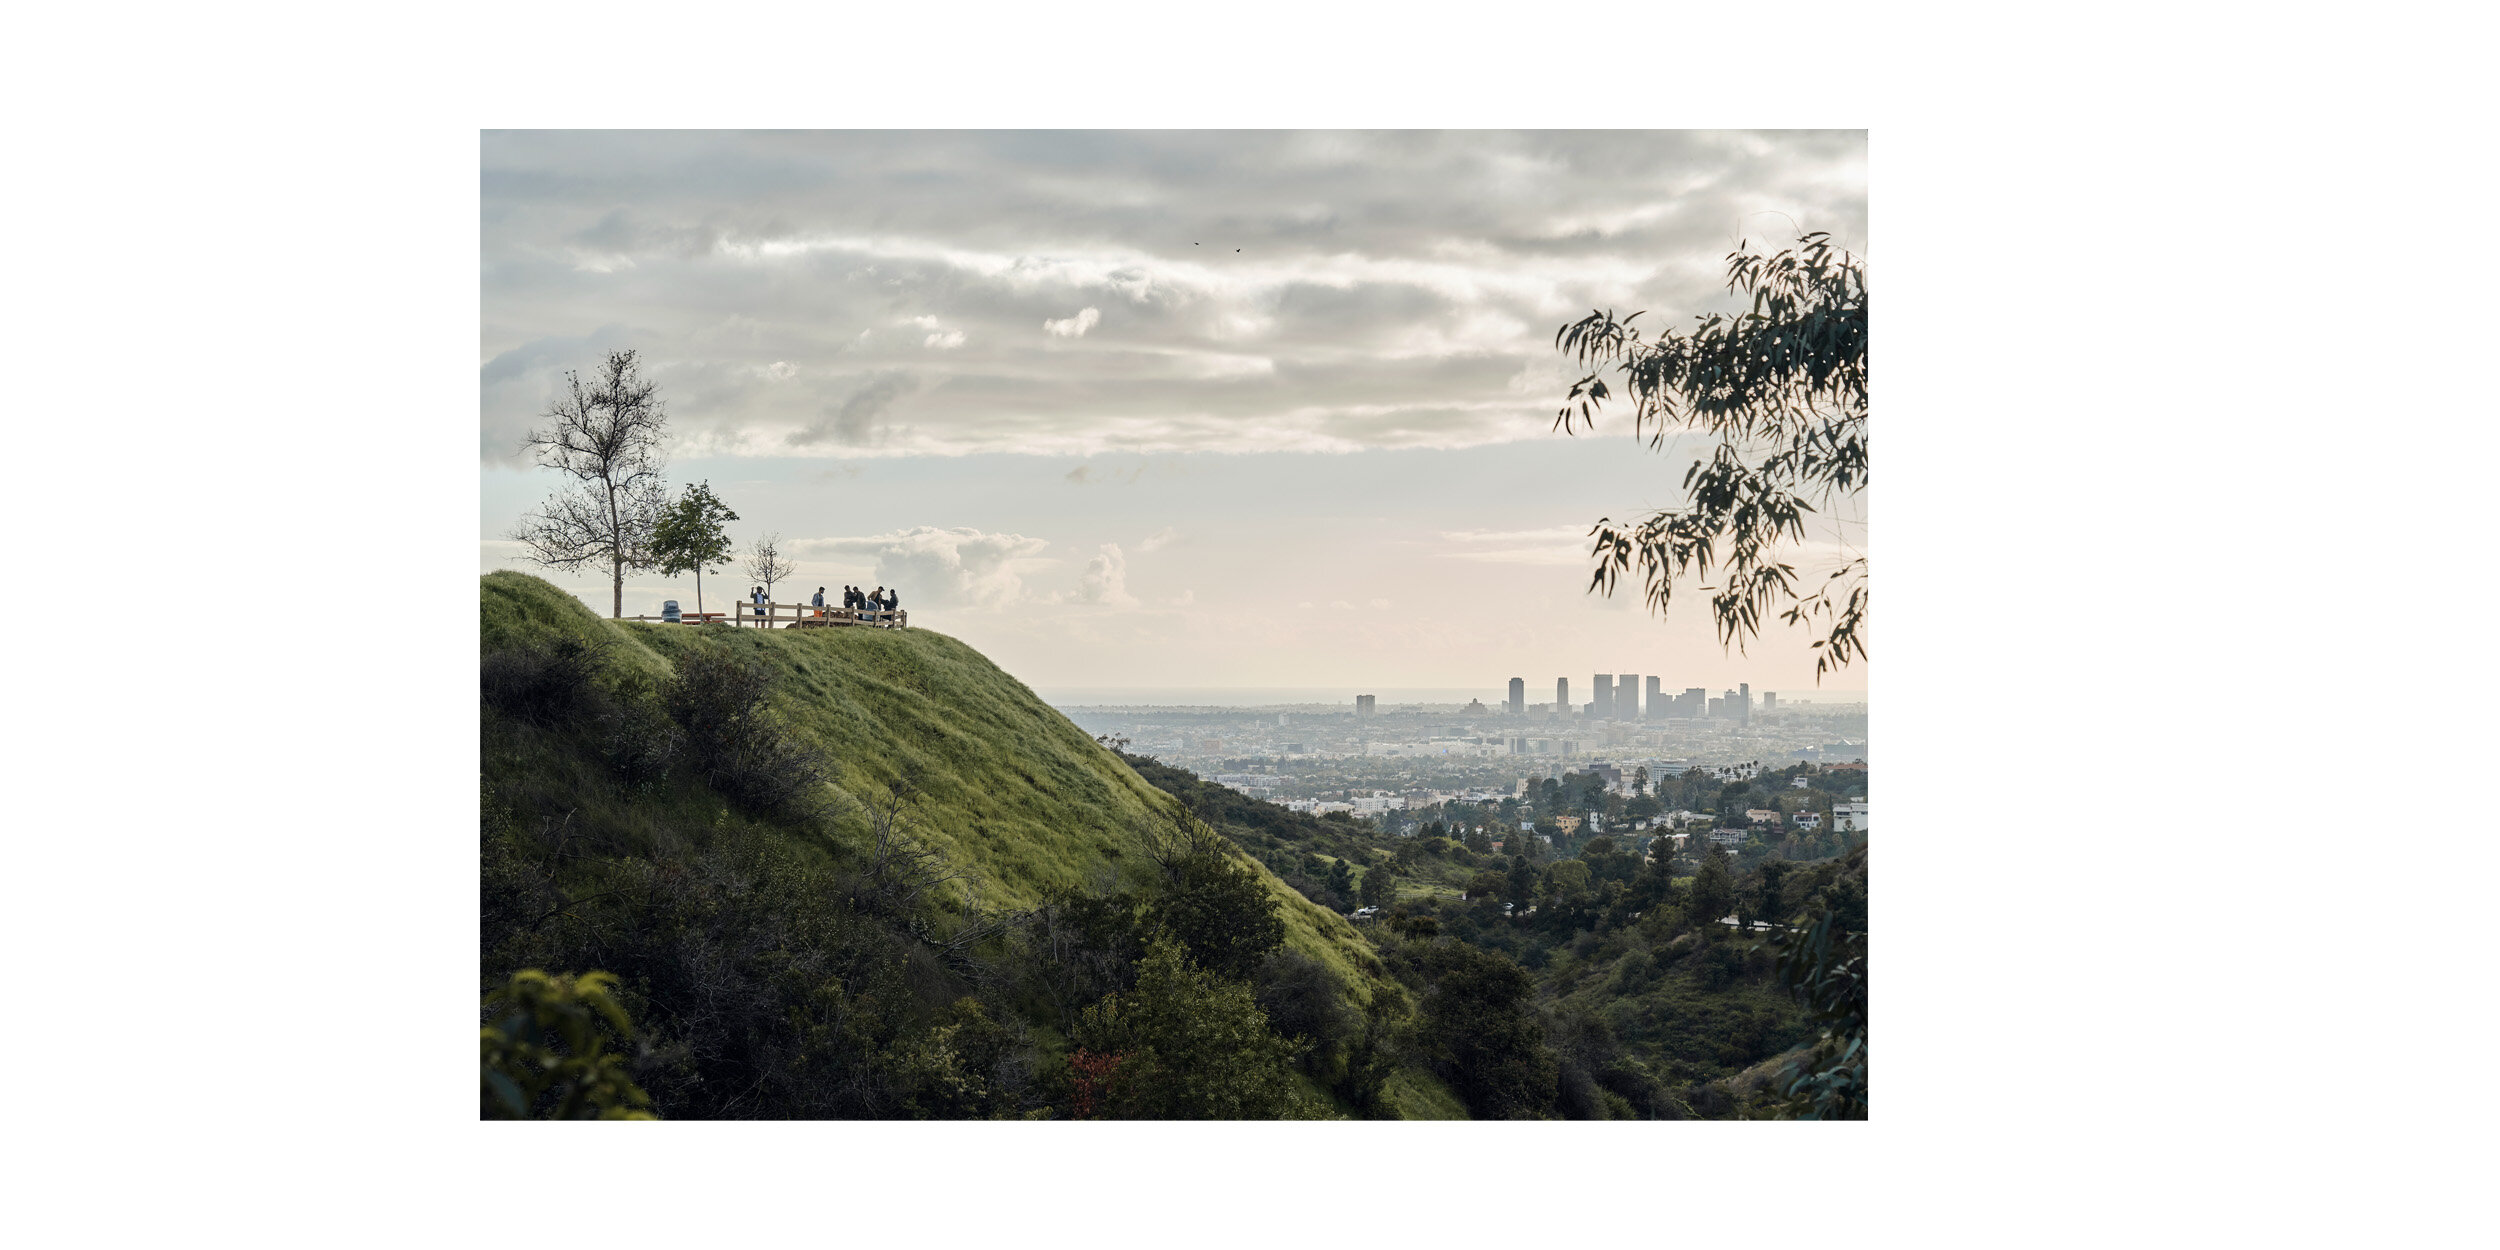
(1713, 890)
(1478, 1030)
(1521, 887)
(1185, 1044)
(1379, 887)
(1566, 875)
(544, 1055)
(1221, 913)
(1782, 389)
(691, 535)
(1341, 879)
(1773, 901)
(1823, 966)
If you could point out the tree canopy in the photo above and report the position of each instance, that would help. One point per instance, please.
(693, 535)
(1782, 388)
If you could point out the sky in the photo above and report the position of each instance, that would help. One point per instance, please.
(1155, 410)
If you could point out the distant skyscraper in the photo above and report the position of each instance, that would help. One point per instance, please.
(1363, 706)
(1602, 696)
(1694, 704)
(1562, 697)
(1518, 696)
(1744, 709)
(1650, 706)
(1628, 696)
(1770, 702)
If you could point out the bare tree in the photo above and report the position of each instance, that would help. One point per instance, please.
(606, 436)
(765, 563)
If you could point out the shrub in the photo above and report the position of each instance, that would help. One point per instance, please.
(1185, 1044)
(543, 684)
(720, 702)
(544, 1051)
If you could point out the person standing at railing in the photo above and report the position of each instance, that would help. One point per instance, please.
(893, 601)
(818, 602)
(757, 595)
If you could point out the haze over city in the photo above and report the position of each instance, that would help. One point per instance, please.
(1257, 412)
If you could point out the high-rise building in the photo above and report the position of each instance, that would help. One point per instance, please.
(1602, 696)
(1726, 707)
(1770, 702)
(1650, 704)
(1562, 697)
(1694, 703)
(1364, 706)
(1628, 696)
(1518, 696)
(1744, 708)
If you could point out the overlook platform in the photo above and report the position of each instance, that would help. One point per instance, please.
(790, 616)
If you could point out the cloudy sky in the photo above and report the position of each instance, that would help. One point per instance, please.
(1152, 410)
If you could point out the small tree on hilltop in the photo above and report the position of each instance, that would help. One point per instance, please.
(606, 436)
(766, 564)
(692, 533)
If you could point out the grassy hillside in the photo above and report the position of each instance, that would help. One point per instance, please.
(1007, 788)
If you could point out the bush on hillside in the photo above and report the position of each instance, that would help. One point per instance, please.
(720, 701)
(542, 683)
(1184, 1044)
(1221, 913)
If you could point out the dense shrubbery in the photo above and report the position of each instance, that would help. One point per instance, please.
(1184, 1043)
(542, 683)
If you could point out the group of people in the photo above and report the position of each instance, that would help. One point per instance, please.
(878, 600)
(857, 600)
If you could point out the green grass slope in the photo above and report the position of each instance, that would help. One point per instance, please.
(1009, 788)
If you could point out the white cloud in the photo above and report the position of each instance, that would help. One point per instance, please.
(781, 371)
(1558, 546)
(1381, 604)
(940, 567)
(1160, 539)
(939, 337)
(1105, 580)
(1076, 326)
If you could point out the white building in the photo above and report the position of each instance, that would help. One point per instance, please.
(1849, 816)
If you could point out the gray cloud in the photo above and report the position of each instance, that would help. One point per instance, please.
(848, 423)
(1076, 294)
